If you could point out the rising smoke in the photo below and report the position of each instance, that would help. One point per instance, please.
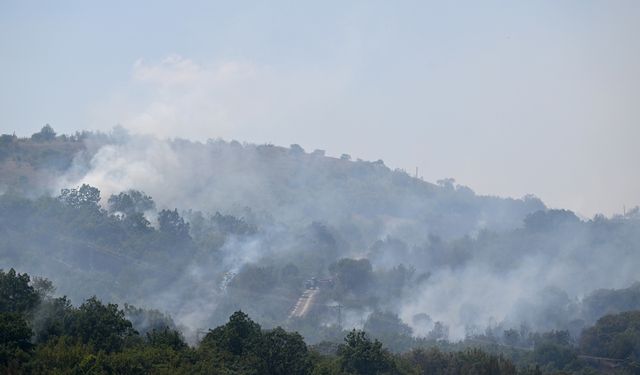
(468, 261)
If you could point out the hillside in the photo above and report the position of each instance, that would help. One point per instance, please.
(200, 230)
(286, 184)
(32, 164)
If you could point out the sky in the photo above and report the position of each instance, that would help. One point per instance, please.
(509, 98)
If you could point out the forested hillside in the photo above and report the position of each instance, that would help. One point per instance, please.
(286, 184)
(318, 245)
(33, 164)
(46, 334)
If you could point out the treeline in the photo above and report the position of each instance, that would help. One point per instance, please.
(75, 234)
(286, 182)
(32, 164)
(266, 219)
(185, 258)
(42, 334)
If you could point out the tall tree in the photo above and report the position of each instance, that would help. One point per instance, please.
(104, 326)
(85, 196)
(171, 223)
(360, 355)
(45, 134)
(285, 353)
(14, 337)
(16, 293)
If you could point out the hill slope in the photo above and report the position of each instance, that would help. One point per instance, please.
(253, 222)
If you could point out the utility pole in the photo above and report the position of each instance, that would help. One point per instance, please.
(339, 316)
(416, 172)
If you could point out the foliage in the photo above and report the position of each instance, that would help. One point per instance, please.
(389, 329)
(16, 294)
(241, 345)
(472, 361)
(172, 224)
(98, 338)
(103, 326)
(352, 275)
(45, 134)
(130, 202)
(360, 355)
(53, 319)
(166, 337)
(606, 301)
(147, 320)
(555, 356)
(257, 259)
(550, 220)
(240, 336)
(14, 337)
(86, 196)
(285, 353)
(614, 336)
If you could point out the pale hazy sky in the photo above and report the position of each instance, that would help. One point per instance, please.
(507, 97)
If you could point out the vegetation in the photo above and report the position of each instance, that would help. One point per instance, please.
(393, 256)
(115, 253)
(614, 336)
(97, 338)
(44, 334)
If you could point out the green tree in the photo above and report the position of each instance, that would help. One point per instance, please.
(171, 223)
(14, 337)
(285, 353)
(137, 222)
(130, 202)
(613, 336)
(239, 336)
(147, 320)
(553, 356)
(85, 196)
(53, 319)
(432, 361)
(16, 294)
(235, 347)
(104, 326)
(166, 338)
(352, 275)
(360, 355)
(45, 134)
(381, 323)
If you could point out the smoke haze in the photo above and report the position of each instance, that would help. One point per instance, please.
(468, 261)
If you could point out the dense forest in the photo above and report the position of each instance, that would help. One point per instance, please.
(139, 246)
(45, 334)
